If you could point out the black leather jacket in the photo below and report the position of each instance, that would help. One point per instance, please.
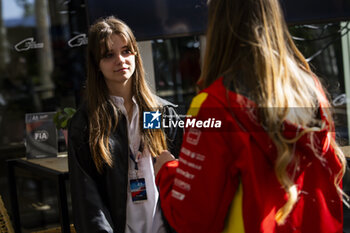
(99, 200)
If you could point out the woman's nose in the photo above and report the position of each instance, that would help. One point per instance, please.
(119, 58)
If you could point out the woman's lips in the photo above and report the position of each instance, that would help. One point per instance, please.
(122, 69)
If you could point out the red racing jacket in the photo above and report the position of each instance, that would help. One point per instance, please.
(224, 179)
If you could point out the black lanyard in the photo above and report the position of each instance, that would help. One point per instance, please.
(132, 156)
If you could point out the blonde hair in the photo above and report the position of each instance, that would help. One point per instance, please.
(250, 37)
(103, 116)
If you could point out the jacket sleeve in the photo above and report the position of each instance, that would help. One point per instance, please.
(197, 190)
(89, 211)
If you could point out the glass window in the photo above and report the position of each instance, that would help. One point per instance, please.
(177, 69)
(42, 54)
(321, 44)
(42, 49)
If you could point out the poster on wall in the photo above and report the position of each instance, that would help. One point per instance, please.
(41, 135)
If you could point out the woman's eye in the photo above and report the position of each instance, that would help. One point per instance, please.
(127, 51)
(108, 55)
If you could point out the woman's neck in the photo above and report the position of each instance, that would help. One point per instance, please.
(126, 94)
(123, 90)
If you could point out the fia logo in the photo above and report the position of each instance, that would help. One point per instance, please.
(151, 120)
(41, 135)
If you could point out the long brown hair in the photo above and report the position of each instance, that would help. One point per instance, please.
(103, 115)
(250, 38)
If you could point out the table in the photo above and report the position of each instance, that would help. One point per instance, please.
(55, 169)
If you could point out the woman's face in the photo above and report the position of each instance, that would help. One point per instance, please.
(118, 64)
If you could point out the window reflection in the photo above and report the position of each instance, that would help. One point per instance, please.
(42, 48)
(321, 45)
(177, 69)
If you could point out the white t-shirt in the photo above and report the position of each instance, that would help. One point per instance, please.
(144, 216)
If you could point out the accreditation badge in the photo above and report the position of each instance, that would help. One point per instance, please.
(138, 189)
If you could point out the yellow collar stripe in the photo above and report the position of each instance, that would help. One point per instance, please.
(196, 104)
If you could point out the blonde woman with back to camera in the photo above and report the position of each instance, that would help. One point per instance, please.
(274, 165)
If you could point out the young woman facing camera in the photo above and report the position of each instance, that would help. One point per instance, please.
(110, 154)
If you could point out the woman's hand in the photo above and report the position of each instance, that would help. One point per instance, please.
(164, 157)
